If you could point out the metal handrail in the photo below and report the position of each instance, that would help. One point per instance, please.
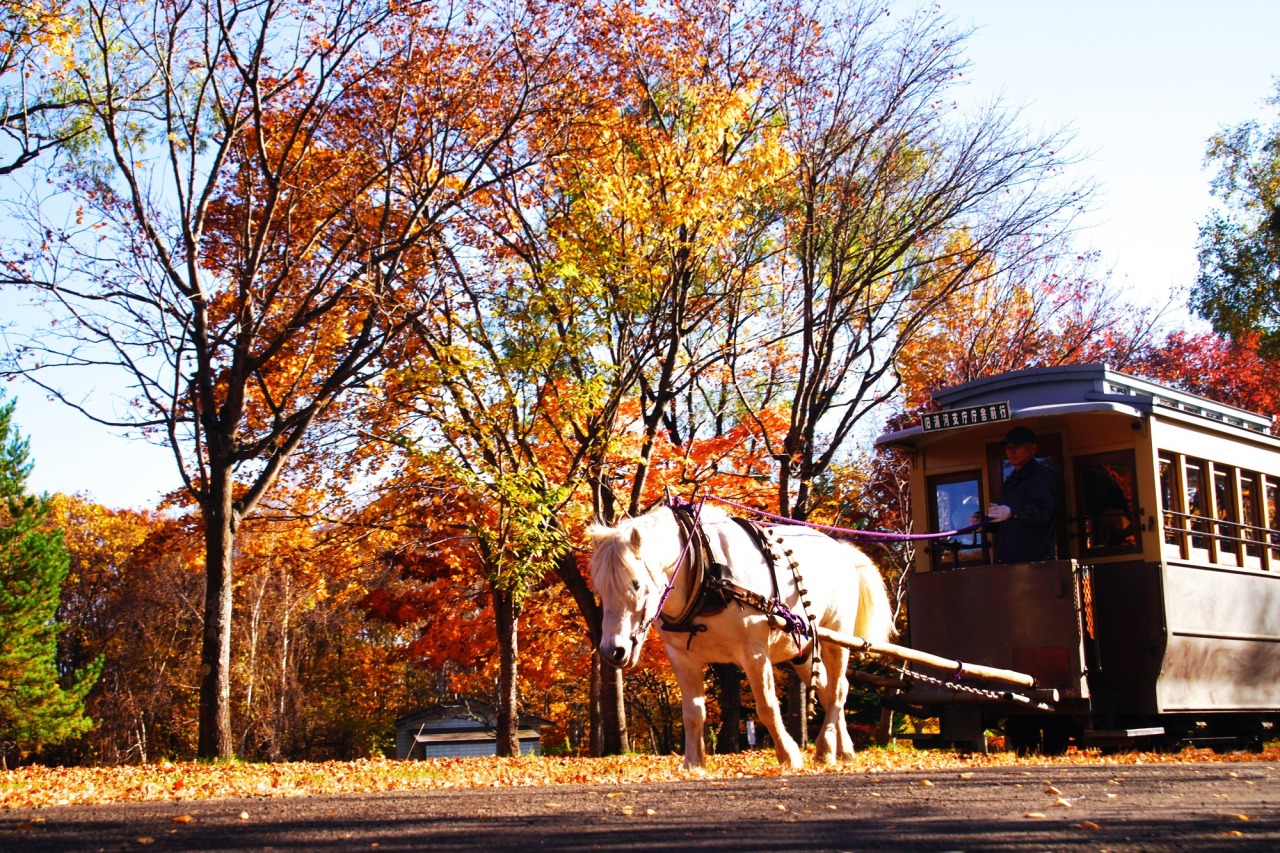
(1270, 537)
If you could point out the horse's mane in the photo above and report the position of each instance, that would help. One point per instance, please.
(612, 570)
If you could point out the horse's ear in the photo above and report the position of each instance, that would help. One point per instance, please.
(635, 540)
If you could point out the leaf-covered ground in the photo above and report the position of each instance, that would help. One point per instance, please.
(50, 786)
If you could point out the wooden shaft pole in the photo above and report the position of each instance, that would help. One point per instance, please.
(990, 673)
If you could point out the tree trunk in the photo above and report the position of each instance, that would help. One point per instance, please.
(613, 711)
(507, 614)
(884, 731)
(729, 680)
(608, 711)
(595, 727)
(284, 723)
(215, 740)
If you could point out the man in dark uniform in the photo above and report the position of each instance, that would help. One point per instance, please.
(1024, 521)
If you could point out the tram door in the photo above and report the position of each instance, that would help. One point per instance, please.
(1048, 454)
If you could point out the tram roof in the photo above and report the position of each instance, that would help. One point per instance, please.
(1076, 389)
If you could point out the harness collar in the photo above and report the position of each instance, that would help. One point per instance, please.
(701, 599)
(709, 586)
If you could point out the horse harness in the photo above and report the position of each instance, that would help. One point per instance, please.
(709, 586)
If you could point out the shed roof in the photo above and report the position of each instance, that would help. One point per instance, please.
(470, 715)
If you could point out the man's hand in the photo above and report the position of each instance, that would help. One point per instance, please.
(998, 512)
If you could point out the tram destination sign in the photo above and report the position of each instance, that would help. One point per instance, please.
(968, 416)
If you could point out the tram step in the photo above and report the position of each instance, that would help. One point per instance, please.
(1119, 737)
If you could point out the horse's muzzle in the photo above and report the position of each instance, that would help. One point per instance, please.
(619, 656)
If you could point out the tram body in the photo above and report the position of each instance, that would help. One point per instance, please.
(1160, 619)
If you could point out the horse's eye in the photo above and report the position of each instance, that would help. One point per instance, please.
(635, 585)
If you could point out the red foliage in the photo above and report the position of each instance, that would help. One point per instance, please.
(1213, 366)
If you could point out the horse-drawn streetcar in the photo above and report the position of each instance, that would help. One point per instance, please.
(1158, 616)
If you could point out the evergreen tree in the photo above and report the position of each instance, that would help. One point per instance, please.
(37, 707)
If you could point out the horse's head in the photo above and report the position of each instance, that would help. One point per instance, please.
(630, 587)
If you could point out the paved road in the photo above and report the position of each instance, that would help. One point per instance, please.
(1201, 807)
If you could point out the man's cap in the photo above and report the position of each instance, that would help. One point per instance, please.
(1019, 435)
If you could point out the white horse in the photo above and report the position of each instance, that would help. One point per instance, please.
(634, 563)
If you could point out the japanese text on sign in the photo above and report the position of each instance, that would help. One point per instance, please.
(968, 416)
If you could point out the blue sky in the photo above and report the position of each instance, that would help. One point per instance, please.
(1143, 84)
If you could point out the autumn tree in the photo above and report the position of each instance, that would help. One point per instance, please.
(503, 384)
(1238, 288)
(39, 101)
(896, 205)
(39, 705)
(256, 228)
(491, 633)
(472, 551)
(133, 599)
(670, 215)
(635, 246)
(1062, 310)
(313, 679)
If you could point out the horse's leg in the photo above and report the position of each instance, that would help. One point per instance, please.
(759, 672)
(693, 704)
(834, 742)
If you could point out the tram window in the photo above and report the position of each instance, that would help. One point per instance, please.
(1169, 503)
(1273, 516)
(1224, 510)
(954, 500)
(1107, 492)
(1250, 515)
(1196, 503)
(1229, 515)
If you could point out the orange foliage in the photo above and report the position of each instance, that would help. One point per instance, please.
(38, 787)
(1043, 317)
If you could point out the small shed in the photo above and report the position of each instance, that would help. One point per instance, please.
(453, 731)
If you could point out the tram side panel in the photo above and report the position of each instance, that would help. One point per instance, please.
(1154, 640)
(1024, 617)
(1223, 646)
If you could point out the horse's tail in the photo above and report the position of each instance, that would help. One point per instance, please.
(874, 621)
